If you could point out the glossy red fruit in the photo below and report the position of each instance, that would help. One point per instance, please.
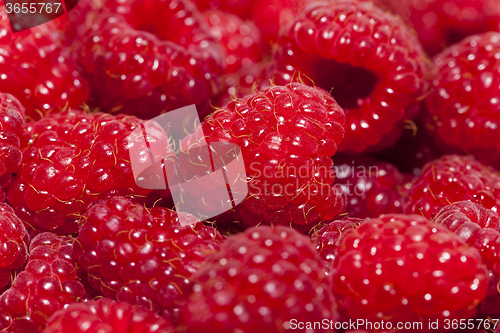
(48, 284)
(38, 70)
(372, 187)
(479, 227)
(403, 268)
(463, 105)
(138, 64)
(286, 135)
(241, 40)
(14, 241)
(142, 257)
(369, 61)
(449, 179)
(72, 159)
(106, 316)
(440, 23)
(261, 278)
(327, 237)
(11, 129)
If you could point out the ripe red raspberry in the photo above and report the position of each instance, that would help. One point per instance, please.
(139, 64)
(372, 187)
(442, 23)
(449, 179)
(242, 8)
(479, 227)
(463, 105)
(403, 268)
(38, 70)
(141, 257)
(13, 245)
(72, 159)
(326, 238)
(287, 135)
(240, 39)
(371, 63)
(261, 278)
(106, 316)
(11, 130)
(48, 284)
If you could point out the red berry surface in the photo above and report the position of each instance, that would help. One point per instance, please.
(260, 279)
(327, 237)
(464, 106)
(372, 187)
(106, 316)
(142, 257)
(441, 23)
(369, 61)
(48, 284)
(38, 70)
(241, 40)
(286, 135)
(449, 179)
(11, 129)
(14, 241)
(403, 268)
(138, 64)
(72, 159)
(479, 227)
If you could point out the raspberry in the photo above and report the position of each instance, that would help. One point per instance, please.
(479, 227)
(141, 257)
(241, 39)
(326, 238)
(72, 159)
(261, 278)
(403, 268)
(442, 23)
(371, 63)
(48, 283)
(11, 129)
(106, 316)
(287, 135)
(242, 8)
(449, 179)
(372, 187)
(13, 245)
(38, 70)
(464, 101)
(139, 65)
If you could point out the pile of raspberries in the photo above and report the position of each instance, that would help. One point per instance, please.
(367, 136)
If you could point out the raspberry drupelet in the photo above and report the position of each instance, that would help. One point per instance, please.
(367, 58)
(403, 268)
(38, 70)
(287, 135)
(106, 316)
(11, 129)
(142, 257)
(260, 279)
(463, 105)
(48, 283)
(449, 179)
(478, 227)
(138, 64)
(72, 159)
